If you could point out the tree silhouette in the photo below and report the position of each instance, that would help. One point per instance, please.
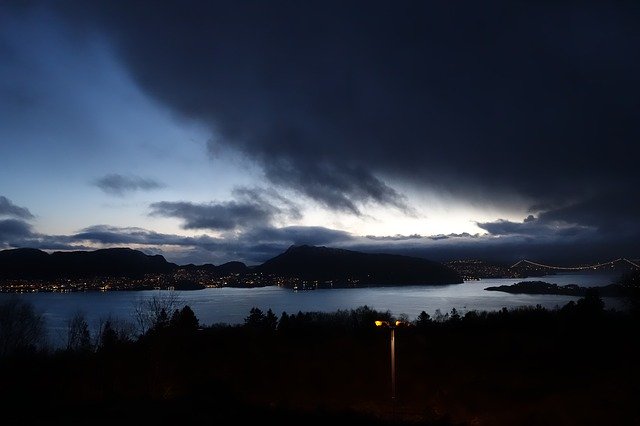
(363, 316)
(454, 316)
(162, 320)
(440, 317)
(21, 327)
(256, 318)
(78, 335)
(148, 313)
(591, 304)
(630, 283)
(423, 320)
(285, 321)
(270, 320)
(108, 337)
(184, 319)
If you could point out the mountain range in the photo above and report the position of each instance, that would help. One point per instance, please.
(304, 262)
(26, 263)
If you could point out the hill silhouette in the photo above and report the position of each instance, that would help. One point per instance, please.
(233, 267)
(330, 266)
(542, 287)
(25, 263)
(346, 266)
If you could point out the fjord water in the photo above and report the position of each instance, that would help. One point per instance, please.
(232, 305)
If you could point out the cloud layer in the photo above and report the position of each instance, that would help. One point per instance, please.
(331, 98)
(119, 185)
(256, 240)
(7, 208)
(351, 104)
(252, 208)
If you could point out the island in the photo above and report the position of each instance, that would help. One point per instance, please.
(541, 287)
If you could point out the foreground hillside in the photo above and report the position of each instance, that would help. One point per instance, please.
(574, 366)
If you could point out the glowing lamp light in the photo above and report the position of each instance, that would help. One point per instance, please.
(397, 323)
(392, 328)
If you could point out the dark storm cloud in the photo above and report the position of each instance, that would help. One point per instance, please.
(506, 227)
(270, 199)
(340, 188)
(113, 235)
(255, 245)
(223, 216)
(538, 99)
(13, 228)
(343, 101)
(116, 184)
(613, 211)
(611, 215)
(106, 234)
(312, 235)
(251, 207)
(259, 244)
(7, 208)
(574, 233)
(508, 242)
(19, 233)
(533, 227)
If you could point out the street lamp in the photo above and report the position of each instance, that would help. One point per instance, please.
(392, 326)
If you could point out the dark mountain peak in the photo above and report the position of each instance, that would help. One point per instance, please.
(23, 252)
(321, 263)
(204, 266)
(116, 252)
(122, 250)
(233, 267)
(298, 248)
(305, 249)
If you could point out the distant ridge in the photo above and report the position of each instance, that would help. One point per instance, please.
(233, 267)
(323, 266)
(27, 263)
(331, 264)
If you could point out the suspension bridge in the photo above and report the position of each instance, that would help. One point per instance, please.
(621, 260)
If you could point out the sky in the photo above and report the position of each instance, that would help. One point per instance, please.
(230, 130)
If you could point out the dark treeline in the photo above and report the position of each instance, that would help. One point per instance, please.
(574, 365)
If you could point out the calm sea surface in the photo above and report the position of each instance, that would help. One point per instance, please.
(232, 305)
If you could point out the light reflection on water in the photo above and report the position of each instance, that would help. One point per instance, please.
(232, 305)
